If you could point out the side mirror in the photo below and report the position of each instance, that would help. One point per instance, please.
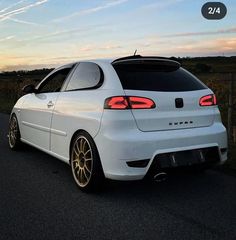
(29, 89)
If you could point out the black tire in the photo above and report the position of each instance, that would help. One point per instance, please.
(85, 163)
(14, 133)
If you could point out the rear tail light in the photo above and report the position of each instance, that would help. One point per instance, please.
(116, 103)
(141, 103)
(208, 100)
(128, 102)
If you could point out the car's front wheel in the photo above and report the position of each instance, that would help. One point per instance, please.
(85, 162)
(14, 133)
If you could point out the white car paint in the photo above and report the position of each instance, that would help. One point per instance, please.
(119, 135)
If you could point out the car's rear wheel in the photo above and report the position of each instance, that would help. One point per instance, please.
(85, 162)
(14, 133)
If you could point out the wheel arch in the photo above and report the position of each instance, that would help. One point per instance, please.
(12, 114)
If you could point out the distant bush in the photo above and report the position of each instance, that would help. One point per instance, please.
(203, 68)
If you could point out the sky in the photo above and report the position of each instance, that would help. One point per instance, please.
(48, 33)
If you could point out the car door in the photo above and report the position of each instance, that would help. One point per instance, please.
(77, 107)
(37, 110)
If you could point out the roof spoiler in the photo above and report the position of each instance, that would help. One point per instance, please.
(164, 60)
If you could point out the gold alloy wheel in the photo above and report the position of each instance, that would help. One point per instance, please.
(13, 131)
(82, 161)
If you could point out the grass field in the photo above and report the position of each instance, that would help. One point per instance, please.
(213, 71)
(6, 103)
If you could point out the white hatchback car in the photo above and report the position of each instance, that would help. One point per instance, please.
(121, 119)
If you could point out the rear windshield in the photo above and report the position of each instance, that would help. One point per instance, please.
(151, 77)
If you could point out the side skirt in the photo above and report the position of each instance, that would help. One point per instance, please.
(66, 160)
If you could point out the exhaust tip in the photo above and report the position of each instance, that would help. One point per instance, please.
(160, 177)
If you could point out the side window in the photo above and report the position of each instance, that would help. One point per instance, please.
(86, 75)
(54, 82)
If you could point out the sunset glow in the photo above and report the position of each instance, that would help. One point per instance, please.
(44, 33)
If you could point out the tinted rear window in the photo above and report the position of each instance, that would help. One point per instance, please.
(151, 77)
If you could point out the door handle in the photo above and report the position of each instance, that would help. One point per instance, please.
(50, 104)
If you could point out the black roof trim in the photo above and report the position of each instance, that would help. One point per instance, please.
(159, 60)
(127, 58)
(139, 57)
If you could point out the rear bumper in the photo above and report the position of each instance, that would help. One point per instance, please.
(117, 146)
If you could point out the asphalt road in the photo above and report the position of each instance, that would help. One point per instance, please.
(39, 200)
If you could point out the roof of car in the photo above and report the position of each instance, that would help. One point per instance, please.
(134, 57)
(138, 59)
(127, 59)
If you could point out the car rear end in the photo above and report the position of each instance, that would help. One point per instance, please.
(166, 118)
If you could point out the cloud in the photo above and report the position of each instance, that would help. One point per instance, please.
(108, 46)
(189, 34)
(24, 22)
(222, 45)
(211, 47)
(111, 46)
(9, 14)
(64, 32)
(79, 30)
(87, 48)
(91, 10)
(197, 48)
(12, 5)
(6, 38)
(160, 5)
